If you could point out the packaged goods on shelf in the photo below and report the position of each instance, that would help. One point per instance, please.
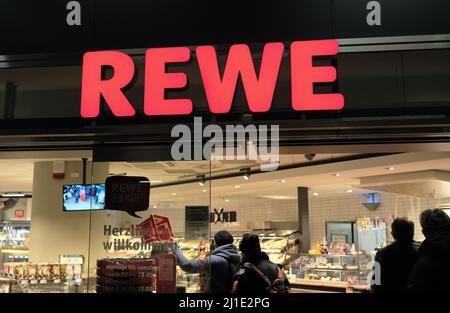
(43, 271)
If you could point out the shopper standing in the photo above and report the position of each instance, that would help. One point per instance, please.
(431, 272)
(218, 267)
(396, 261)
(257, 274)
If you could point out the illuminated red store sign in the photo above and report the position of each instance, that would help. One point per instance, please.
(219, 89)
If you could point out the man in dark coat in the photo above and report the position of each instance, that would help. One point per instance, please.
(257, 273)
(219, 266)
(432, 272)
(396, 261)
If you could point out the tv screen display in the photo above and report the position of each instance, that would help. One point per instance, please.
(84, 197)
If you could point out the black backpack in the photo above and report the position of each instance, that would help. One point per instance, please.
(278, 285)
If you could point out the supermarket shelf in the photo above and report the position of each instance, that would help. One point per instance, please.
(15, 251)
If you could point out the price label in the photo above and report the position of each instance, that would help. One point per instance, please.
(24, 282)
(57, 281)
(33, 282)
(78, 280)
(43, 281)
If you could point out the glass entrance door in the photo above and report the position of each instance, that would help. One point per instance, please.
(150, 226)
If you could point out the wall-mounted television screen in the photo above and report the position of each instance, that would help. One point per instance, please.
(84, 197)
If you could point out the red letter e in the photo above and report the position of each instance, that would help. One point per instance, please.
(304, 75)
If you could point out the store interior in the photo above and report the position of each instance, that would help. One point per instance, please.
(351, 201)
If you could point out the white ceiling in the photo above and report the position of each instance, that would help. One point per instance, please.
(17, 175)
(16, 168)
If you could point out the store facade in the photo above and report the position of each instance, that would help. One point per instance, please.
(358, 100)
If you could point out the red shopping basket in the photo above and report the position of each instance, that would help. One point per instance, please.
(156, 228)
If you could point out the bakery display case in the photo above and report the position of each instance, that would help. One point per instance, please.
(10, 285)
(281, 246)
(43, 277)
(332, 267)
(331, 272)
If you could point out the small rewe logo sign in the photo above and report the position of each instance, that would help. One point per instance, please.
(219, 88)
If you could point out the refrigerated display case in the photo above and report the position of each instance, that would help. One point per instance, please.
(332, 272)
(10, 285)
(14, 241)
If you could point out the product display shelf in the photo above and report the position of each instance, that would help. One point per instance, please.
(10, 285)
(41, 285)
(14, 239)
(280, 245)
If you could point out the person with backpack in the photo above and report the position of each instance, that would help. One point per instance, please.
(218, 267)
(257, 274)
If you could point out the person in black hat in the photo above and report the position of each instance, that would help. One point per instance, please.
(219, 266)
(431, 272)
(257, 273)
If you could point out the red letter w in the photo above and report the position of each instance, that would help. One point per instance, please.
(259, 91)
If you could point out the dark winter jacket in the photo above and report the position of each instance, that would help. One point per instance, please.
(396, 262)
(249, 281)
(432, 271)
(219, 267)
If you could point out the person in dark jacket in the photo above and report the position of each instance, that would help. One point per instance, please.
(396, 261)
(219, 266)
(247, 280)
(432, 272)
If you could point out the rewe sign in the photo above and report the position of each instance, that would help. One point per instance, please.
(219, 89)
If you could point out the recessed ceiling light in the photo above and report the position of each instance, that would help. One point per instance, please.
(227, 200)
(204, 190)
(283, 181)
(154, 206)
(276, 197)
(202, 180)
(174, 194)
(390, 168)
(337, 174)
(349, 190)
(246, 173)
(315, 194)
(13, 195)
(237, 186)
